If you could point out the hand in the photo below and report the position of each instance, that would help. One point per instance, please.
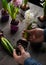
(35, 35)
(21, 58)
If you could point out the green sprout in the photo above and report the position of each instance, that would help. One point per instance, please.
(26, 34)
(44, 6)
(4, 4)
(25, 2)
(12, 10)
(29, 27)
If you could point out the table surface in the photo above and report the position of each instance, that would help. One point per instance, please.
(5, 59)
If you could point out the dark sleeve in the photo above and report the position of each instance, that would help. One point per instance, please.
(44, 35)
(30, 61)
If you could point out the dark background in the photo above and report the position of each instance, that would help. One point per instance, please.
(37, 2)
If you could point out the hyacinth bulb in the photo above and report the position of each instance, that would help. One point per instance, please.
(24, 7)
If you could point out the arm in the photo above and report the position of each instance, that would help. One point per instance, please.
(45, 35)
(30, 61)
(25, 58)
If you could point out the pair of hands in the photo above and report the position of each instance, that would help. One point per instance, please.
(36, 35)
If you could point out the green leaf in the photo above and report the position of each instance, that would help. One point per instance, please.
(7, 45)
(16, 12)
(4, 4)
(8, 8)
(25, 2)
(12, 10)
(44, 6)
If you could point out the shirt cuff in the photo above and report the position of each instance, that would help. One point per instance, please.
(44, 35)
(31, 61)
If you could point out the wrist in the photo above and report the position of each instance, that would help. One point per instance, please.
(26, 62)
(42, 35)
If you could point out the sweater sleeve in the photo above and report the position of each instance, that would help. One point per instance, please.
(31, 61)
(44, 35)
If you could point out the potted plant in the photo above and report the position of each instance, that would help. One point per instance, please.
(24, 7)
(43, 17)
(13, 11)
(4, 13)
(30, 26)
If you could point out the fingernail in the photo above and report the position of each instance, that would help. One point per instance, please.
(14, 50)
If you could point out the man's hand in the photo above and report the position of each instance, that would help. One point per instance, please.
(21, 58)
(35, 35)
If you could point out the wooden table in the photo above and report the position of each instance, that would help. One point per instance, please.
(5, 59)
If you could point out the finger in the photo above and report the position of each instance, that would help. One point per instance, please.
(21, 48)
(28, 31)
(23, 34)
(23, 31)
(15, 55)
(31, 32)
(32, 38)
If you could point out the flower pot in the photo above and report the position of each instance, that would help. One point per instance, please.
(4, 16)
(14, 26)
(22, 42)
(23, 9)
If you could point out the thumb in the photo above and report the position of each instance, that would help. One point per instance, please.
(28, 31)
(15, 55)
(21, 48)
(32, 31)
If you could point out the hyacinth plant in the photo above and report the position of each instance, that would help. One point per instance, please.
(25, 2)
(44, 6)
(13, 11)
(17, 2)
(24, 5)
(43, 17)
(4, 13)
